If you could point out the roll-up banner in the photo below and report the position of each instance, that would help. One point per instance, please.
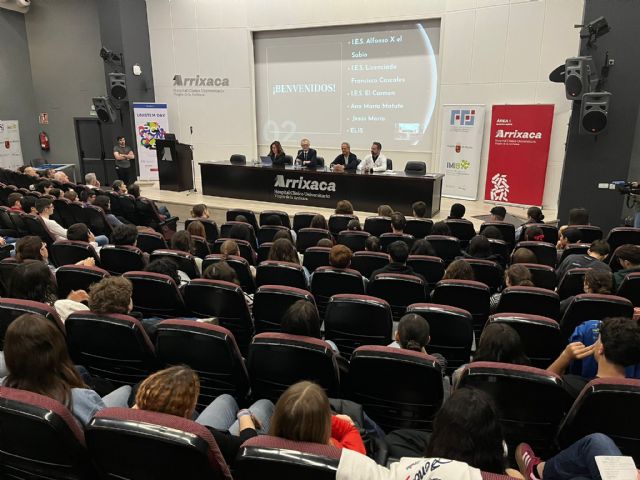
(518, 153)
(10, 150)
(460, 149)
(152, 122)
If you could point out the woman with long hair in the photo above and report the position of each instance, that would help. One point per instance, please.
(276, 153)
(283, 250)
(183, 242)
(515, 276)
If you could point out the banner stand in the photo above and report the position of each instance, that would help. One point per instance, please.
(151, 124)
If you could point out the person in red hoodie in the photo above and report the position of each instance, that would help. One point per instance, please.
(303, 414)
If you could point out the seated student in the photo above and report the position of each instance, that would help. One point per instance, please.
(340, 258)
(276, 221)
(458, 270)
(498, 214)
(629, 258)
(419, 209)
(104, 203)
(28, 205)
(456, 212)
(166, 266)
(71, 196)
(595, 281)
(44, 206)
(480, 248)
(523, 255)
(242, 231)
(398, 222)
(384, 211)
(422, 246)
(303, 414)
(196, 228)
(222, 271)
(324, 242)
(34, 281)
(43, 186)
(302, 318)
(119, 187)
(183, 242)
(134, 190)
(594, 258)
(80, 233)
(13, 202)
(318, 221)
(577, 216)
(111, 295)
(199, 211)
(282, 250)
(372, 244)
(91, 180)
(399, 252)
(276, 154)
(87, 197)
(414, 334)
(175, 391)
(515, 276)
(230, 247)
(534, 215)
(617, 347)
(354, 225)
(56, 193)
(32, 248)
(534, 234)
(344, 207)
(37, 359)
(127, 235)
(493, 233)
(441, 228)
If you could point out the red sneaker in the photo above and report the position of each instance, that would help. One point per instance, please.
(527, 461)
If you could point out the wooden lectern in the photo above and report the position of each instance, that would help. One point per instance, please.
(174, 165)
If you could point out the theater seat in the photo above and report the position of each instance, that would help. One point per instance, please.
(623, 235)
(574, 249)
(248, 214)
(239, 264)
(271, 272)
(368, 262)
(263, 252)
(315, 257)
(630, 288)
(35, 226)
(531, 402)
(309, 237)
(550, 232)
(12, 308)
(397, 290)
(155, 295)
(462, 229)
(70, 252)
(543, 276)
(7, 266)
(277, 361)
(354, 320)
(208, 349)
(605, 406)
(418, 227)
(77, 277)
(118, 259)
(508, 231)
(246, 250)
(128, 444)
(302, 220)
(545, 253)
(487, 272)
(387, 239)
(533, 300)
(267, 232)
(468, 295)
(41, 439)
(328, 281)
(572, 283)
(446, 247)
(377, 225)
(383, 381)
(431, 268)
(271, 302)
(284, 217)
(589, 233)
(593, 306)
(185, 261)
(354, 239)
(114, 347)
(273, 457)
(210, 228)
(151, 241)
(338, 222)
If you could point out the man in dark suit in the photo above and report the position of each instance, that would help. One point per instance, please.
(307, 157)
(346, 160)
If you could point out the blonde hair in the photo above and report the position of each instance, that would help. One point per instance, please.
(302, 414)
(173, 390)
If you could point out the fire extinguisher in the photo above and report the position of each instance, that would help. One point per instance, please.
(44, 141)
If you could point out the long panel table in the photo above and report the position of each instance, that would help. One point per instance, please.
(321, 188)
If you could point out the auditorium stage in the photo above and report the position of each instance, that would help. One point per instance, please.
(180, 203)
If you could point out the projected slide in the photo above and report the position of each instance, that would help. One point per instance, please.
(357, 84)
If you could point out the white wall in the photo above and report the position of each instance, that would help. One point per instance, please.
(492, 52)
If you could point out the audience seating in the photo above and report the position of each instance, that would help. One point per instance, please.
(239, 264)
(545, 253)
(532, 300)
(530, 401)
(248, 214)
(41, 439)
(128, 208)
(70, 252)
(329, 281)
(271, 302)
(398, 290)
(338, 222)
(246, 250)
(431, 268)
(309, 237)
(593, 306)
(19, 224)
(284, 217)
(446, 247)
(508, 231)
(149, 242)
(543, 276)
(128, 443)
(12, 308)
(262, 252)
(574, 249)
(550, 232)
(377, 225)
(155, 295)
(272, 272)
(468, 295)
(224, 301)
(368, 262)
(185, 261)
(273, 457)
(500, 248)
(114, 347)
(608, 406)
(418, 227)
(210, 228)
(77, 277)
(77, 209)
(267, 232)
(487, 272)
(7, 228)
(36, 226)
(208, 349)
(302, 220)
(354, 239)
(97, 221)
(200, 246)
(451, 331)
(630, 288)
(387, 239)
(7, 265)
(315, 257)
(540, 336)
(277, 361)
(572, 283)
(354, 320)
(623, 235)
(383, 381)
(61, 207)
(149, 216)
(462, 229)
(119, 259)
(225, 230)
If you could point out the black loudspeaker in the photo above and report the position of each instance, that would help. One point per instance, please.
(594, 112)
(104, 110)
(579, 77)
(118, 85)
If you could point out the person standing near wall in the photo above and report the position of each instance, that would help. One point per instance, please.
(123, 155)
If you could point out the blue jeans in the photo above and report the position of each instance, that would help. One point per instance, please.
(577, 462)
(221, 414)
(102, 240)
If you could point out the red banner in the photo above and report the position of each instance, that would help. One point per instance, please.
(518, 153)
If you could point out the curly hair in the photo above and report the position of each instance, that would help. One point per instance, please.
(173, 391)
(111, 295)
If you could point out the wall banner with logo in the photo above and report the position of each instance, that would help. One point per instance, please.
(151, 124)
(10, 149)
(518, 153)
(460, 148)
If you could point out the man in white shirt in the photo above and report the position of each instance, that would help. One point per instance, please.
(44, 206)
(376, 160)
(91, 180)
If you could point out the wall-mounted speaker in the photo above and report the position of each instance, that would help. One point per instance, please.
(118, 85)
(594, 111)
(104, 109)
(580, 77)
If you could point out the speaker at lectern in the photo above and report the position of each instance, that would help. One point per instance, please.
(174, 164)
